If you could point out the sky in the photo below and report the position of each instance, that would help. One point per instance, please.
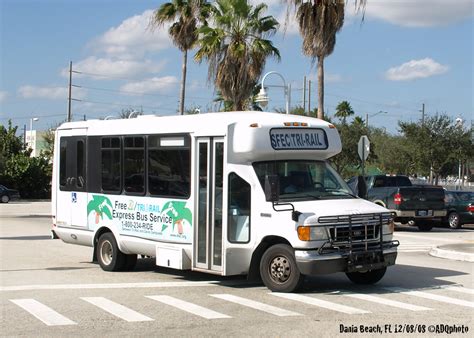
(404, 53)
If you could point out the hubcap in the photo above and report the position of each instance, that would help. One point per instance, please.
(4, 198)
(453, 220)
(280, 269)
(106, 252)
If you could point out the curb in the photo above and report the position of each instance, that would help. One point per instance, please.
(451, 254)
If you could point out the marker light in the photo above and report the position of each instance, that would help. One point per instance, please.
(295, 124)
(254, 125)
(332, 126)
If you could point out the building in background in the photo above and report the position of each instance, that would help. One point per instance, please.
(35, 140)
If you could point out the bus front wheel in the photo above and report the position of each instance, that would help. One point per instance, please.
(109, 256)
(278, 269)
(368, 277)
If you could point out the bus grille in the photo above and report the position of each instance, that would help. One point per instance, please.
(354, 228)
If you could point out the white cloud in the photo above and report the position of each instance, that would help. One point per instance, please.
(420, 13)
(3, 95)
(114, 67)
(133, 38)
(415, 69)
(152, 85)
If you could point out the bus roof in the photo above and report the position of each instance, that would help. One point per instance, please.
(252, 134)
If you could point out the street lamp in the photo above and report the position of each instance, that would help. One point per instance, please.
(367, 117)
(33, 119)
(262, 97)
(131, 115)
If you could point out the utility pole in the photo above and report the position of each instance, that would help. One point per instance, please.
(304, 95)
(69, 115)
(309, 98)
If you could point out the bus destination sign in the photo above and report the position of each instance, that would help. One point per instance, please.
(298, 138)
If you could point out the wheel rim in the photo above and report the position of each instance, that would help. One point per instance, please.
(106, 252)
(280, 269)
(5, 198)
(453, 220)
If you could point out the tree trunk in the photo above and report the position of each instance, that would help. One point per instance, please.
(320, 87)
(183, 82)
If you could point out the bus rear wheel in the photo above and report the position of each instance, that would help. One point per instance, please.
(109, 256)
(278, 269)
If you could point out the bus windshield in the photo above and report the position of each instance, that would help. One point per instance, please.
(304, 180)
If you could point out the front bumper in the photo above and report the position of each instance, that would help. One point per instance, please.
(314, 262)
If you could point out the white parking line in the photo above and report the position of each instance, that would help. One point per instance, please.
(432, 296)
(256, 305)
(460, 289)
(116, 309)
(321, 303)
(105, 286)
(42, 312)
(388, 302)
(189, 307)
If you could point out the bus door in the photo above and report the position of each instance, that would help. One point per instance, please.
(209, 203)
(71, 202)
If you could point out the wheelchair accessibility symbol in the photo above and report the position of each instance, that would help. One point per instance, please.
(74, 197)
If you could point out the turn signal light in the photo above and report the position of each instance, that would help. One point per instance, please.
(304, 233)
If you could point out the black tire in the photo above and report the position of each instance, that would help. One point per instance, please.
(130, 262)
(278, 269)
(109, 256)
(453, 220)
(425, 227)
(369, 277)
(5, 199)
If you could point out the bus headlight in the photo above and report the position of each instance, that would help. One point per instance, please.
(312, 233)
(387, 229)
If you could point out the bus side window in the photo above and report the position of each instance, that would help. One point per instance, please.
(80, 164)
(62, 163)
(238, 216)
(134, 164)
(111, 165)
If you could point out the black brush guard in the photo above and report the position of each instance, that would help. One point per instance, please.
(359, 239)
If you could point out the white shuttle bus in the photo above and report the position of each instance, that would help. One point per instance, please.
(224, 193)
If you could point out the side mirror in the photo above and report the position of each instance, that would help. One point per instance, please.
(272, 188)
(361, 187)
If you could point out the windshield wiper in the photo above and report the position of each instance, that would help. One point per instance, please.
(342, 192)
(290, 196)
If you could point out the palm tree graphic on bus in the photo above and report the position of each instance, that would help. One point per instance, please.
(101, 205)
(178, 213)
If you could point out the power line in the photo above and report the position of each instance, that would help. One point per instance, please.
(136, 93)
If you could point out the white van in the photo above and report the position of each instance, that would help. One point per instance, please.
(224, 193)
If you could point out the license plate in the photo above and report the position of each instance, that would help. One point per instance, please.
(424, 213)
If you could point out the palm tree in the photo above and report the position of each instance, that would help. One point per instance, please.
(319, 21)
(236, 48)
(186, 15)
(343, 111)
